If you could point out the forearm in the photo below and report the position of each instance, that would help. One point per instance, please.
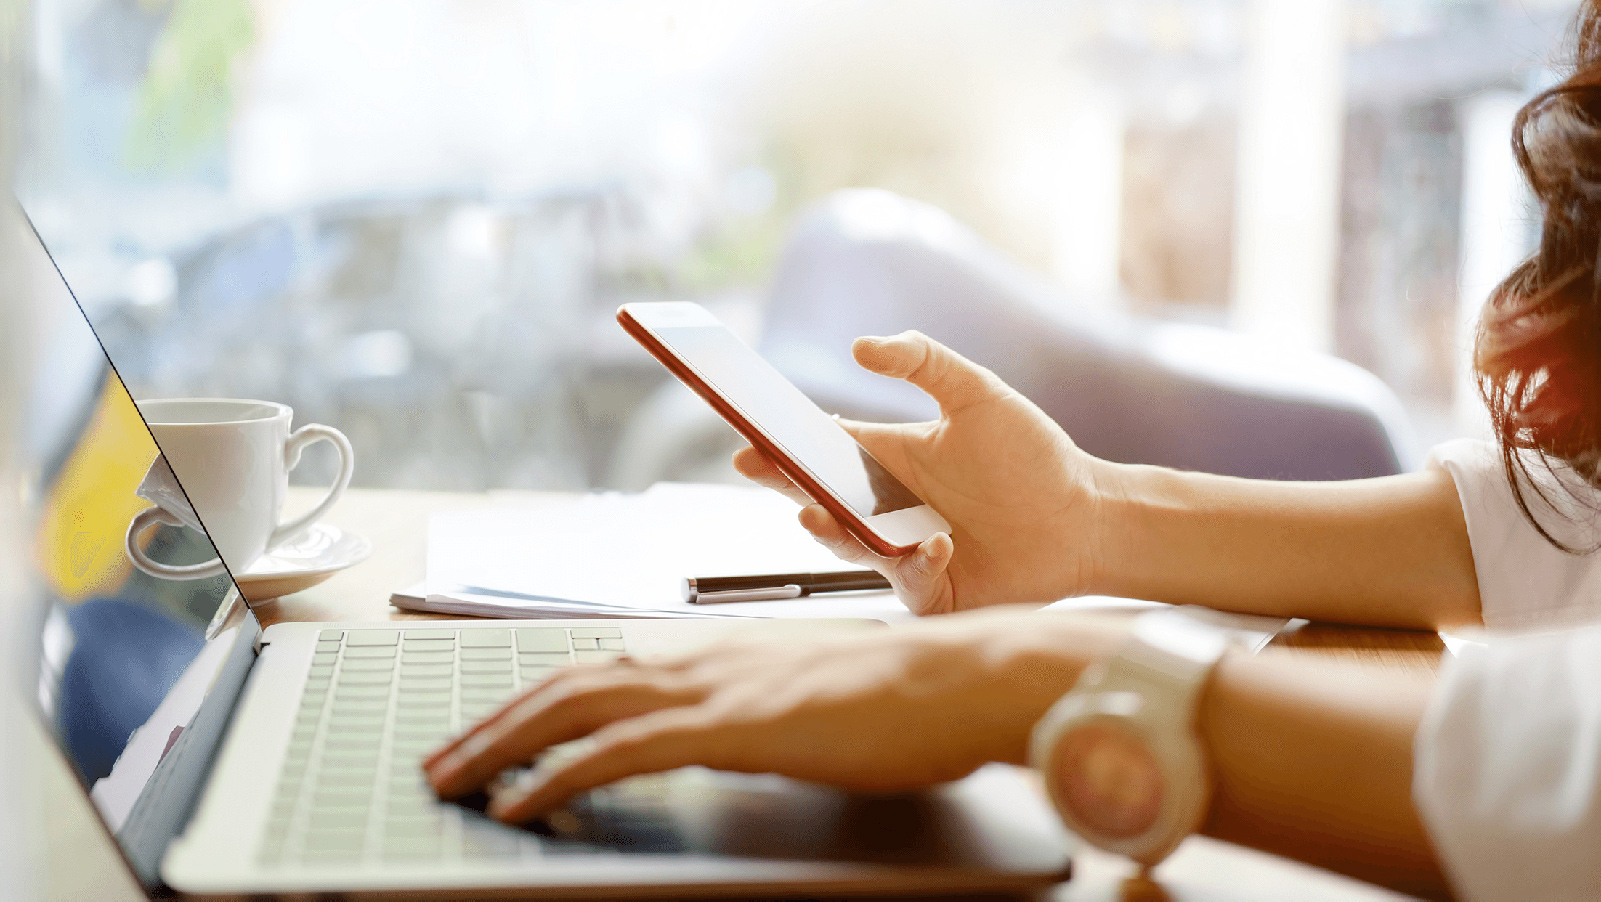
(1313, 760)
(1389, 552)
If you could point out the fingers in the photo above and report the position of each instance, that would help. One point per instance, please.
(563, 710)
(946, 376)
(760, 469)
(648, 744)
(507, 710)
(831, 535)
(920, 576)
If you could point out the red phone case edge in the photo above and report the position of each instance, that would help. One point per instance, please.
(742, 425)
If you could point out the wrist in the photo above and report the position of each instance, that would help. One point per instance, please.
(1031, 658)
(1125, 495)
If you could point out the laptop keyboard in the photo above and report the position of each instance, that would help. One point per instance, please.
(376, 702)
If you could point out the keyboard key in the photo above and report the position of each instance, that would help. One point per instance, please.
(485, 638)
(424, 670)
(361, 707)
(323, 658)
(408, 848)
(407, 718)
(341, 791)
(372, 637)
(421, 712)
(428, 657)
(320, 670)
(417, 734)
(375, 664)
(583, 644)
(594, 657)
(364, 693)
(350, 764)
(327, 645)
(542, 639)
(423, 700)
(409, 792)
(364, 678)
(368, 728)
(345, 820)
(423, 683)
(547, 659)
(430, 634)
(332, 842)
(596, 632)
(330, 634)
(487, 666)
(410, 750)
(501, 653)
(428, 645)
(611, 644)
(370, 651)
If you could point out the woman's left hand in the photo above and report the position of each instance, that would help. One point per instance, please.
(879, 710)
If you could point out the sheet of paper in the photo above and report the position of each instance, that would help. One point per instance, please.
(1250, 631)
(634, 551)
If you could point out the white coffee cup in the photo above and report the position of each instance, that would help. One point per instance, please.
(233, 459)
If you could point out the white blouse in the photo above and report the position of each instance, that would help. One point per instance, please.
(1508, 757)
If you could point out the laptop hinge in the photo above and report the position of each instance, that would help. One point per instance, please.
(163, 808)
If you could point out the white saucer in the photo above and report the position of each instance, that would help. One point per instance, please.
(319, 552)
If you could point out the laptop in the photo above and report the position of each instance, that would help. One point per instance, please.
(286, 760)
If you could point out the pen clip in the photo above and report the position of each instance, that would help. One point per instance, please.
(772, 593)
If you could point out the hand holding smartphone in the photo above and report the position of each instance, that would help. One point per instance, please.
(815, 452)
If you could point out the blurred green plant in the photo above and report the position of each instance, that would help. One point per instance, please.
(187, 97)
(738, 254)
(12, 17)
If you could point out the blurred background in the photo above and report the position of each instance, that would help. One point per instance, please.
(413, 219)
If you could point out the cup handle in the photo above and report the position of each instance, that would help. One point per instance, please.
(152, 516)
(298, 440)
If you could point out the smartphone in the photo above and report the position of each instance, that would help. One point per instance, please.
(815, 452)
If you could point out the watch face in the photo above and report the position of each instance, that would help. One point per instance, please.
(1109, 780)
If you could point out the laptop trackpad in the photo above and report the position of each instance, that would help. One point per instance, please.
(694, 810)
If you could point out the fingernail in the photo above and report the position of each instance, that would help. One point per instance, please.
(444, 771)
(502, 802)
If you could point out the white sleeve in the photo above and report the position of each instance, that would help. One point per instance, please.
(1508, 767)
(1525, 581)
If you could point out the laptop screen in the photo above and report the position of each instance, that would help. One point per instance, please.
(120, 666)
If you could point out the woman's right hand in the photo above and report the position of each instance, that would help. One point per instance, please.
(1024, 503)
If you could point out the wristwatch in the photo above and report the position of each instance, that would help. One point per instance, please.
(1119, 753)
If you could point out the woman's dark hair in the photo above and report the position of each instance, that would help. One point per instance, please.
(1538, 354)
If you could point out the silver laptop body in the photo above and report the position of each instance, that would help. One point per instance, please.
(286, 760)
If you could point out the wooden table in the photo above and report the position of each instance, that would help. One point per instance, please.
(79, 861)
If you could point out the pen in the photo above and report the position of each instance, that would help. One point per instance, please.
(776, 586)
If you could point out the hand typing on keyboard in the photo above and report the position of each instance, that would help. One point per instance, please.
(879, 711)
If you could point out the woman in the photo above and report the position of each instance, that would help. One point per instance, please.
(1487, 775)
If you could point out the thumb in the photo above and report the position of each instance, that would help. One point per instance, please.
(944, 375)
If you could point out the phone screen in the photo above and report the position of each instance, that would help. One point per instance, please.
(789, 418)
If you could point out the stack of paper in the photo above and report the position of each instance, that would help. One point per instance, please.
(626, 555)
